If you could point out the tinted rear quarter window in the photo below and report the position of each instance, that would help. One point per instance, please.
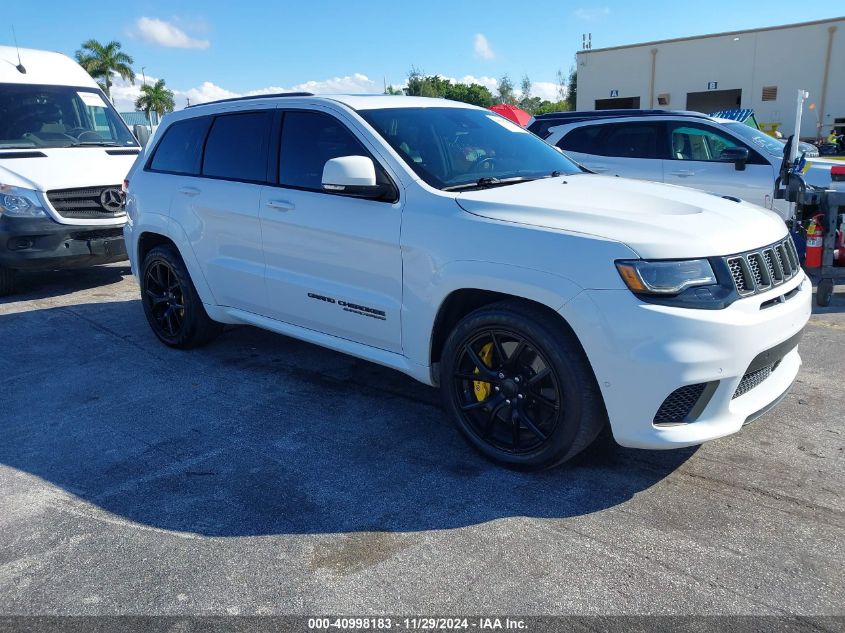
(180, 150)
(236, 148)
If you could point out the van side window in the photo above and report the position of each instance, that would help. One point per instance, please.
(180, 150)
(237, 144)
(309, 139)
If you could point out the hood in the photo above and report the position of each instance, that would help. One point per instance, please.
(65, 167)
(655, 220)
(817, 172)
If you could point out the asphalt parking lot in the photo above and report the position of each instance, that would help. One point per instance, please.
(264, 475)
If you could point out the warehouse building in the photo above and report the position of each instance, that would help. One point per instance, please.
(761, 69)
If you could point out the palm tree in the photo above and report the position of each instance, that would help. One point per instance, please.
(101, 60)
(155, 98)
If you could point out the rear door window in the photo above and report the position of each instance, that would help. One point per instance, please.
(582, 139)
(637, 139)
(180, 150)
(237, 144)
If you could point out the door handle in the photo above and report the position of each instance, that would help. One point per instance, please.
(683, 173)
(189, 191)
(281, 205)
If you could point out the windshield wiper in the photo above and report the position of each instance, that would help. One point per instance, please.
(487, 182)
(94, 144)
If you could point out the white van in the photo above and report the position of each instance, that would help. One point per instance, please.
(64, 153)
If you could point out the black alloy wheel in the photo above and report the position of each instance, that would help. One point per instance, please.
(172, 306)
(165, 296)
(511, 397)
(519, 386)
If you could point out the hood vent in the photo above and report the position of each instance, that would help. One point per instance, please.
(33, 154)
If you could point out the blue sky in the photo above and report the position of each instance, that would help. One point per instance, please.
(213, 49)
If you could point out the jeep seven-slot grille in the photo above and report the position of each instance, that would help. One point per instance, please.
(89, 203)
(678, 404)
(758, 270)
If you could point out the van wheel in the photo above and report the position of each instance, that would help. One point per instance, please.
(520, 387)
(171, 303)
(8, 279)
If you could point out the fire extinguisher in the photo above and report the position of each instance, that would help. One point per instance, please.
(815, 242)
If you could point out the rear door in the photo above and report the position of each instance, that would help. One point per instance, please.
(694, 161)
(633, 149)
(333, 261)
(217, 207)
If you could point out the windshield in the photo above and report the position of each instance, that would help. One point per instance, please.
(58, 116)
(758, 140)
(456, 146)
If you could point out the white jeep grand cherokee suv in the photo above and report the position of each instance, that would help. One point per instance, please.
(441, 240)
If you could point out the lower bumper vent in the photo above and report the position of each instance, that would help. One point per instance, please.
(679, 404)
(754, 378)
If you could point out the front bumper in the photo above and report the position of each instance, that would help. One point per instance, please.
(641, 353)
(43, 244)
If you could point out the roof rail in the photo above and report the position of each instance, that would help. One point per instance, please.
(616, 113)
(265, 96)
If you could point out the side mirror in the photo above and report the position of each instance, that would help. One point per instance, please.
(142, 133)
(736, 155)
(352, 176)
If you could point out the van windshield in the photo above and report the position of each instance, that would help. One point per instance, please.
(58, 116)
(450, 148)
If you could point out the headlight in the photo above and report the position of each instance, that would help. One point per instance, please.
(665, 277)
(20, 203)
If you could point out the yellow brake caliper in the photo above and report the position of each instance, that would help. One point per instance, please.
(482, 389)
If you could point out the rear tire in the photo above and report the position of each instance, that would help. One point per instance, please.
(8, 281)
(535, 402)
(172, 306)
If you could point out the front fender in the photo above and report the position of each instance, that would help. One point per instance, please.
(421, 308)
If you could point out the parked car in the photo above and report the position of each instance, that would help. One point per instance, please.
(681, 148)
(446, 242)
(746, 116)
(64, 152)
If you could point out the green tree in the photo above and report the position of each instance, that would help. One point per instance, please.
(506, 92)
(156, 98)
(421, 85)
(102, 60)
(476, 94)
(390, 90)
(551, 106)
(526, 101)
(561, 85)
(572, 89)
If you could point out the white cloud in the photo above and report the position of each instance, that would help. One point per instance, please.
(545, 90)
(592, 13)
(482, 47)
(350, 84)
(166, 34)
(209, 91)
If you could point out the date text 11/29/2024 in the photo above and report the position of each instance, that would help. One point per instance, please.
(417, 624)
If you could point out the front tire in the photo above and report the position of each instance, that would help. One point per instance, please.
(520, 387)
(172, 306)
